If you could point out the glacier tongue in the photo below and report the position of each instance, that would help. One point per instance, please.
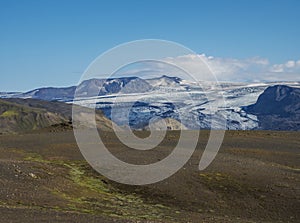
(195, 108)
(205, 107)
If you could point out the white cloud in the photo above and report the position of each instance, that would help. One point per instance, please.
(202, 67)
(291, 66)
(225, 69)
(230, 69)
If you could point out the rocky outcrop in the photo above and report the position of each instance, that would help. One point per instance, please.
(277, 108)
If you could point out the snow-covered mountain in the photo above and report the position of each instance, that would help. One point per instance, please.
(165, 81)
(132, 101)
(97, 87)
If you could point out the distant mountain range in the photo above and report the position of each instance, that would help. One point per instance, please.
(97, 87)
(273, 106)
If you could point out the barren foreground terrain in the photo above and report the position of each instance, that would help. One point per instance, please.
(254, 178)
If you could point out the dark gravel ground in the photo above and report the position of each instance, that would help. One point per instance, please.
(254, 178)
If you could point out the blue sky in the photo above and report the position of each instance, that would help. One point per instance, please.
(51, 42)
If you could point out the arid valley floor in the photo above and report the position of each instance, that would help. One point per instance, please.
(254, 178)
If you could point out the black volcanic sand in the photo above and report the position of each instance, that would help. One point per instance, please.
(254, 178)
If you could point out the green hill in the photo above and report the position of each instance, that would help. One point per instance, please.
(17, 118)
(23, 115)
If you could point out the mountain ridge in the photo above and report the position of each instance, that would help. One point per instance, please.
(96, 87)
(200, 108)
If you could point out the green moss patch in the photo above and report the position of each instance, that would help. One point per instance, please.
(85, 191)
(9, 113)
(93, 194)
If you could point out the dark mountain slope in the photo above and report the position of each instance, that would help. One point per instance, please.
(17, 118)
(277, 108)
(60, 108)
(19, 115)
